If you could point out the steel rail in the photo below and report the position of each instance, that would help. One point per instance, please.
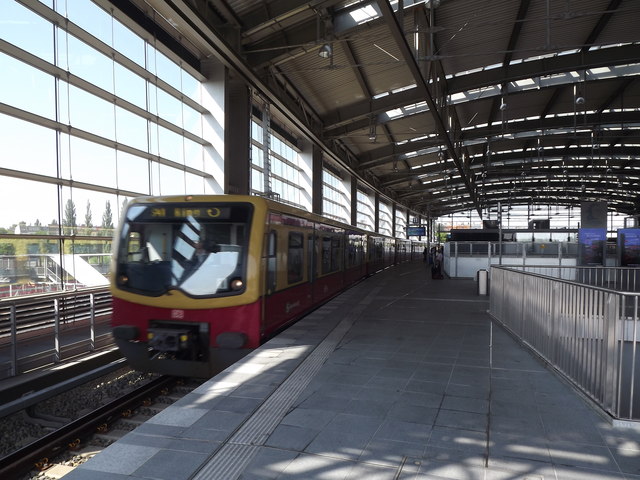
(38, 453)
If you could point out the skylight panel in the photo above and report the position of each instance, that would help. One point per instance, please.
(364, 14)
(394, 113)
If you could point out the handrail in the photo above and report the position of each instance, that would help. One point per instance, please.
(67, 323)
(617, 279)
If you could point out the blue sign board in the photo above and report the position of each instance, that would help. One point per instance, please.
(592, 244)
(416, 231)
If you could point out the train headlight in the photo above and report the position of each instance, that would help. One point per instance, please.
(123, 280)
(236, 284)
(150, 335)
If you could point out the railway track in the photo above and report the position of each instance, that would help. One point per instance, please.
(70, 444)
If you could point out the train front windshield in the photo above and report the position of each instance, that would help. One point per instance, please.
(200, 249)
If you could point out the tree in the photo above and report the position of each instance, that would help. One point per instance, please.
(88, 222)
(107, 216)
(69, 214)
(7, 249)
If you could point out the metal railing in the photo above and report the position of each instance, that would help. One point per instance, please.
(587, 332)
(622, 279)
(41, 330)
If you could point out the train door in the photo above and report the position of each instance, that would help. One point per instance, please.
(272, 248)
(311, 262)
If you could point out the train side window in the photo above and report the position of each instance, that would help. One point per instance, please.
(311, 257)
(325, 266)
(272, 243)
(336, 253)
(134, 247)
(295, 257)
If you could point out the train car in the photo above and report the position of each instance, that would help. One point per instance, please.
(199, 281)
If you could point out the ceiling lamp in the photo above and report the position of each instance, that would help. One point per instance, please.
(326, 51)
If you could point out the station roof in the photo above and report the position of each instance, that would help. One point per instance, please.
(444, 105)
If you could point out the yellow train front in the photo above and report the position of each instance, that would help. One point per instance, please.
(199, 281)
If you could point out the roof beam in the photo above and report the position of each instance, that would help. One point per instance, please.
(407, 55)
(511, 46)
(348, 119)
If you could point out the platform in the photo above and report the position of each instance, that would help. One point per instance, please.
(401, 377)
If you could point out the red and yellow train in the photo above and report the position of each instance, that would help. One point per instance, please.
(199, 281)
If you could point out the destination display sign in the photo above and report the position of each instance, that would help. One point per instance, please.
(200, 212)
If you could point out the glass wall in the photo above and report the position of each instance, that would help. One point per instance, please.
(335, 199)
(401, 223)
(91, 114)
(283, 175)
(385, 226)
(366, 211)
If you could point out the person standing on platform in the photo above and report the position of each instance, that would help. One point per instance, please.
(437, 265)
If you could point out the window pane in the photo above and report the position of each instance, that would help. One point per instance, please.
(191, 87)
(133, 173)
(193, 154)
(192, 120)
(128, 43)
(130, 87)
(27, 88)
(256, 156)
(152, 98)
(195, 184)
(27, 147)
(167, 70)
(169, 108)
(171, 181)
(85, 14)
(131, 129)
(170, 145)
(295, 258)
(88, 162)
(154, 171)
(91, 113)
(31, 209)
(23, 28)
(257, 180)
(90, 64)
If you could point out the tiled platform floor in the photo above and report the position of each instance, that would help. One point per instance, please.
(402, 377)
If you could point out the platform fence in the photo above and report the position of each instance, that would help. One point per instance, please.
(41, 330)
(582, 321)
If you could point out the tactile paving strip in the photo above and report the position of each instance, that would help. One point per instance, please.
(231, 460)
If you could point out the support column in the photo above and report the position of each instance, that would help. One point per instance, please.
(316, 182)
(393, 220)
(237, 136)
(213, 99)
(354, 200)
(376, 210)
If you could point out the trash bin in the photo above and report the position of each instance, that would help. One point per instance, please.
(483, 282)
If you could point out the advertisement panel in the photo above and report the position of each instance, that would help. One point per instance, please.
(592, 244)
(629, 247)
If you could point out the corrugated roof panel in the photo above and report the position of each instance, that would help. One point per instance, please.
(564, 27)
(325, 86)
(475, 34)
(380, 60)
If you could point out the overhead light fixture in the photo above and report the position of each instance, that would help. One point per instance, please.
(579, 100)
(326, 51)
